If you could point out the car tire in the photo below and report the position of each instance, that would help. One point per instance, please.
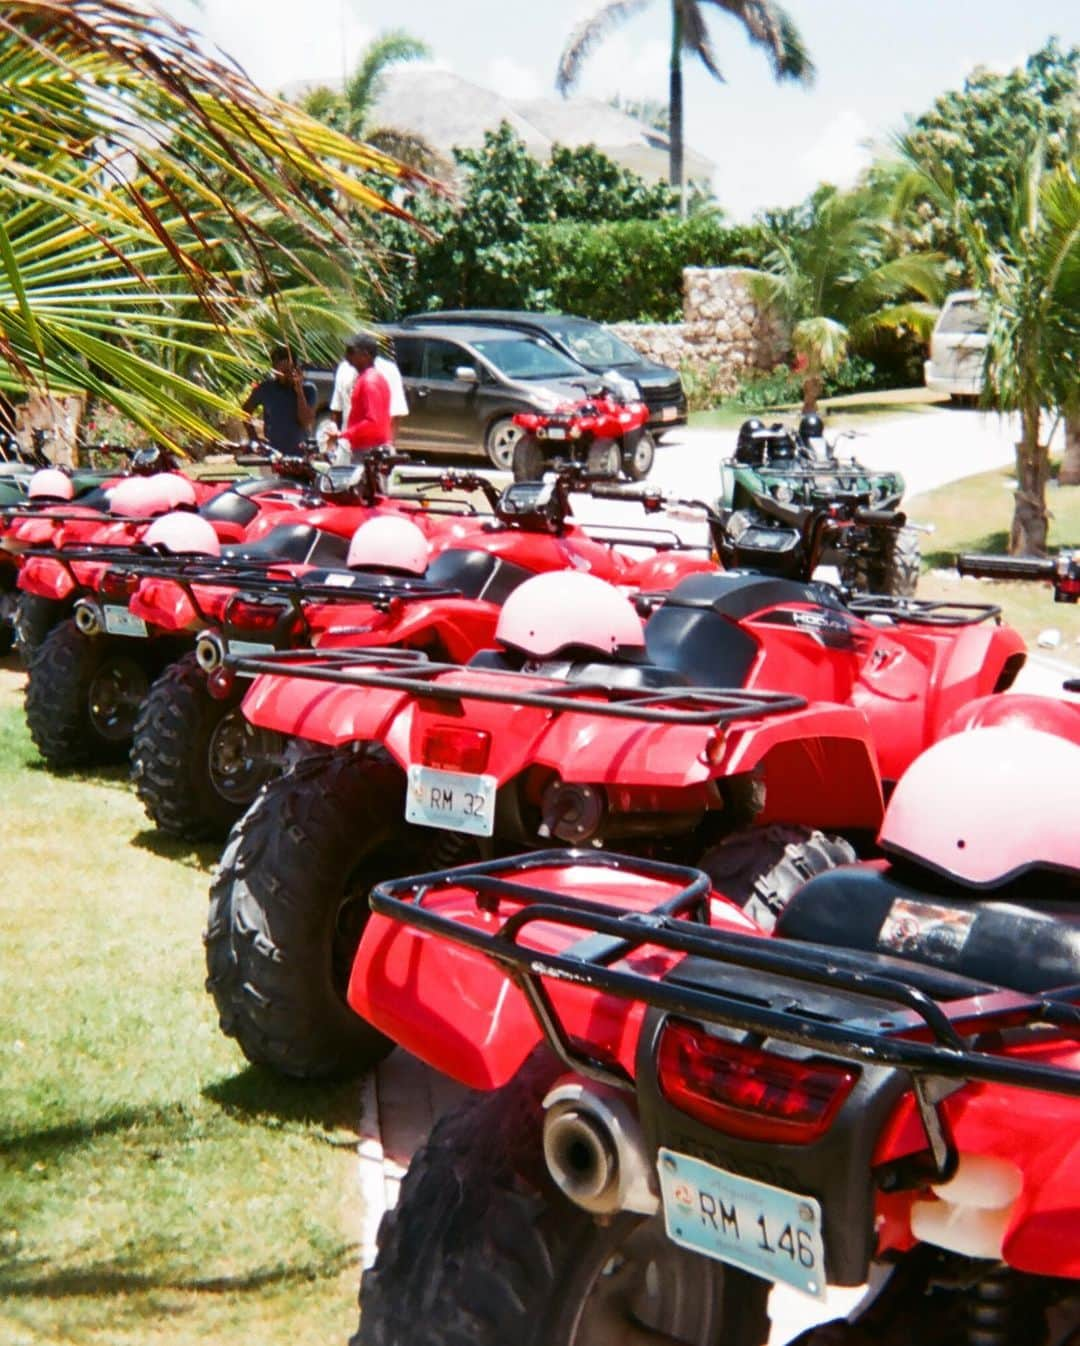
(603, 460)
(483, 1248)
(184, 755)
(762, 868)
(529, 459)
(637, 462)
(82, 696)
(500, 441)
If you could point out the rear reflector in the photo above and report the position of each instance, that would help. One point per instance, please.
(450, 748)
(749, 1092)
(119, 584)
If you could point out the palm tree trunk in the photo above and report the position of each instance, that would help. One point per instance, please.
(1030, 517)
(1070, 464)
(675, 105)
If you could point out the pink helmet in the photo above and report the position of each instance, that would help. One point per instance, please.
(51, 484)
(1017, 711)
(389, 543)
(987, 804)
(566, 609)
(143, 497)
(183, 533)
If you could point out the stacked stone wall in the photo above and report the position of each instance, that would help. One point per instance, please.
(725, 333)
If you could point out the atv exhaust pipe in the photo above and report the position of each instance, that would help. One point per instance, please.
(595, 1151)
(88, 618)
(209, 652)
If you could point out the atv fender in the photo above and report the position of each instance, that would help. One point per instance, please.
(45, 578)
(334, 714)
(165, 605)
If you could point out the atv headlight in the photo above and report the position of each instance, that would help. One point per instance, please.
(769, 539)
(738, 523)
(783, 493)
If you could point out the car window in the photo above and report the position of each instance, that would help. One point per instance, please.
(963, 317)
(442, 360)
(408, 354)
(596, 347)
(525, 358)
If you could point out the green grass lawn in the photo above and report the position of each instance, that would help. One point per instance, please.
(154, 1189)
(848, 411)
(974, 516)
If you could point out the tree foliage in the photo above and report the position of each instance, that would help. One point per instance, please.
(154, 202)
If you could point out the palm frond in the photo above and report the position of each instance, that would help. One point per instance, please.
(386, 49)
(770, 27)
(589, 34)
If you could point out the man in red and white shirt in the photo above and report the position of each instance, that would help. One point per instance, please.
(368, 424)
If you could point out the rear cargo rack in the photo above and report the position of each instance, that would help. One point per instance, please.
(674, 705)
(609, 935)
(924, 611)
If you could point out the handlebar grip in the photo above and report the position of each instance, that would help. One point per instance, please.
(251, 460)
(1006, 567)
(885, 516)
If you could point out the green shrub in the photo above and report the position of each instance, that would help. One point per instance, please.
(631, 270)
(783, 384)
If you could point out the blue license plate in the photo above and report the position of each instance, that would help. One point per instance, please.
(451, 799)
(762, 1229)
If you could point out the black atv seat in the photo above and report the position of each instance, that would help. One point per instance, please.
(740, 593)
(477, 574)
(1029, 947)
(230, 507)
(300, 543)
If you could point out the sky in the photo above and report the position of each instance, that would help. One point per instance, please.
(878, 63)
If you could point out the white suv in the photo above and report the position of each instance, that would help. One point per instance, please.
(958, 348)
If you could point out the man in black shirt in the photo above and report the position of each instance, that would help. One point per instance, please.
(287, 400)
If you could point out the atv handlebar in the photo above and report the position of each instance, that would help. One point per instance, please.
(1006, 567)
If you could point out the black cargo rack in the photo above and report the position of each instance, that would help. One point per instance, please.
(609, 935)
(924, 611)
(365, 668)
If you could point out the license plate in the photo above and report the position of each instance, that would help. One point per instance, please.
(555, 432)
(120, 622)
(669, 413)
(249, 647)
(762, 1229)
(451, 799)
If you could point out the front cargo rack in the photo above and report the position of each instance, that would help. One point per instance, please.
(923, 611)
(883, 1036)
(368, 668)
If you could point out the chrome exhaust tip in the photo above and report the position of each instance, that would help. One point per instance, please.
(209, 652)
(88, 618)
(595, 1152)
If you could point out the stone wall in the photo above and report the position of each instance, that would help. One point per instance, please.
(725, 334)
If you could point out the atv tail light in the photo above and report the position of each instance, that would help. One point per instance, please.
(747, 1091)
(119, 584)
(256, 616)
(451, 748)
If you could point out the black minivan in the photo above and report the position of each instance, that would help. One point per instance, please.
(464, 383)
(590, 344)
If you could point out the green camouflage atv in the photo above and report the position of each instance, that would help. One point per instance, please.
(788, 505)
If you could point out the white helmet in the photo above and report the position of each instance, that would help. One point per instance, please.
(389, 542)
(183, 534)
(565, 609)
(143, 497)
(49, 483)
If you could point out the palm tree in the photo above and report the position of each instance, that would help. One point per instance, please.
(158, 213)
(350, 110)
(768, 26)
(838, 278)
(1029, 280)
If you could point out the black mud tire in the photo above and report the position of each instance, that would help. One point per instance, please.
(9, 603)
(762, 868)
(603, 460)
(35, 617)
(637, 462)
(530, 460)
(64, 671)
(482, 1249)
(892, 569)
(296, 866)
(176, 735)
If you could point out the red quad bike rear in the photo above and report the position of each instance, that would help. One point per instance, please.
(198, 763)
(678, 1114)
(759, 720)
(93, 672)
(606, 435)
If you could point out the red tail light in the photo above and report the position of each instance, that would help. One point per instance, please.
(255, 616)
(119, 584)
(451, 748)
(748, 1092)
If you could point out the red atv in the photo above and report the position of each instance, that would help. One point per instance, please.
(751, 715)
(681, 1113)
(93, 671)
(605, 435)
(198, 763)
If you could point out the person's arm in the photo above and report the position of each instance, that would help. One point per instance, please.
(305, 400)
(254, 399)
